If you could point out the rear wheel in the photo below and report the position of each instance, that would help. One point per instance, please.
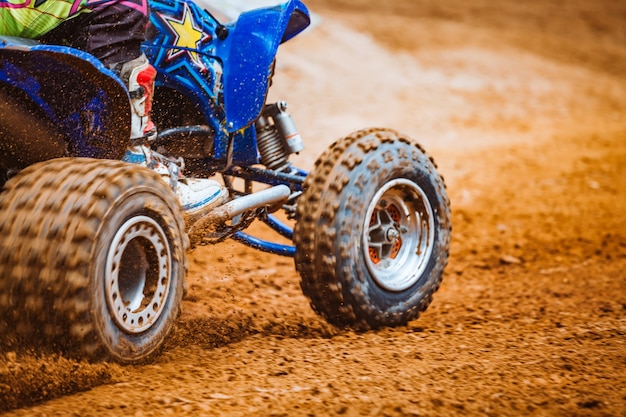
(93, 254)
(373, 231)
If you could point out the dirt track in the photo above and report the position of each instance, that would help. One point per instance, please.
(523, 106)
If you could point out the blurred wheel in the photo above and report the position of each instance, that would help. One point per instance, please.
(92, 254)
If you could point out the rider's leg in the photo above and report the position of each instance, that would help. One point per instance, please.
(113, 33)
(196, 195)
(139, 76)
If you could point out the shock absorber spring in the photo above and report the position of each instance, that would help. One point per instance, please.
(277, 137)
(271, 149)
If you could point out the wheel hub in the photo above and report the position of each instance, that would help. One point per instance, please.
(137, 276)
(400, 235)
(392, 235)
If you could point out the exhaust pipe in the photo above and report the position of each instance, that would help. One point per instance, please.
(267, 197)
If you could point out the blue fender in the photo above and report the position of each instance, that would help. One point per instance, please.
(248, 53)
(84, 106)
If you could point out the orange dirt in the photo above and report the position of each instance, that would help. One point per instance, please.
(523, 106)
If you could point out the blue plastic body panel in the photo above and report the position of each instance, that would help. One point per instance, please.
(226, 78)
(248, 53)
(84, 101)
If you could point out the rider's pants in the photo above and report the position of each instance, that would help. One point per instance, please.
(111, 30)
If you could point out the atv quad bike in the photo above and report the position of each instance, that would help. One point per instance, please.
(93, 249)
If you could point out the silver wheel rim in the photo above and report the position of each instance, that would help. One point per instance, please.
(137, 277)
(399, 235)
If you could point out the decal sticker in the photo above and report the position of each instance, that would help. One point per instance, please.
(188, 36)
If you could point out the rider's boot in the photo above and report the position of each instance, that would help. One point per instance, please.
(197, 195)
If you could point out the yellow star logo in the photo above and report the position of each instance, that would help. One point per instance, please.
(188, 36)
